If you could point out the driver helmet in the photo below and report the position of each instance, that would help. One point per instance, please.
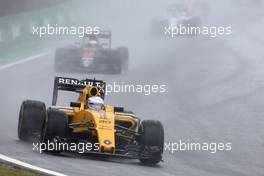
(96, 103)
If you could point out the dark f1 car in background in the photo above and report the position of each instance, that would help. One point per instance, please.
(111, 130)
(93, 54)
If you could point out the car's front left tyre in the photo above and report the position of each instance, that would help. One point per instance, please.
(31, 116)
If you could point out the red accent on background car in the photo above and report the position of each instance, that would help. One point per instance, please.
(88, 54)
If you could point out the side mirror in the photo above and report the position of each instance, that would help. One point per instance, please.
(75, 104)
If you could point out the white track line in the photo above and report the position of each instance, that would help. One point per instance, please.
(23, 60)
(29, 166)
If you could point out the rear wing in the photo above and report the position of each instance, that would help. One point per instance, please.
(102, 35)
(75, 85)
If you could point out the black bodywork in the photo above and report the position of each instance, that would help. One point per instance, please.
(101, 58)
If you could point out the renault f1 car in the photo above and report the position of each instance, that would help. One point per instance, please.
(112, 130)
(93, 54)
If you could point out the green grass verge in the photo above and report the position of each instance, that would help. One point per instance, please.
(10, 171)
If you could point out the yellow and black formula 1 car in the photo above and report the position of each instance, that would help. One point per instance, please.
(107, 129)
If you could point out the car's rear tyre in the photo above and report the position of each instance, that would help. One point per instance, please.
(54, 129)
(31, 116)
(151, 141)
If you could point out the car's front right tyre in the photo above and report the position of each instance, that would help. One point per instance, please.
(151, 141)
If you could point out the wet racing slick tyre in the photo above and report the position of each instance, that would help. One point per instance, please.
(151, 141)
(54, 130)
(31, 116)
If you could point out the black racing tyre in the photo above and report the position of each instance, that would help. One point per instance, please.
(124, 56)
(54, 127)
(31, 116)
(151, 141)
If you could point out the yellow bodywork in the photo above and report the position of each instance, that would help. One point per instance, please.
(98, 123)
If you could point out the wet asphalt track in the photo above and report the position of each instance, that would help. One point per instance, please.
(214, 94)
